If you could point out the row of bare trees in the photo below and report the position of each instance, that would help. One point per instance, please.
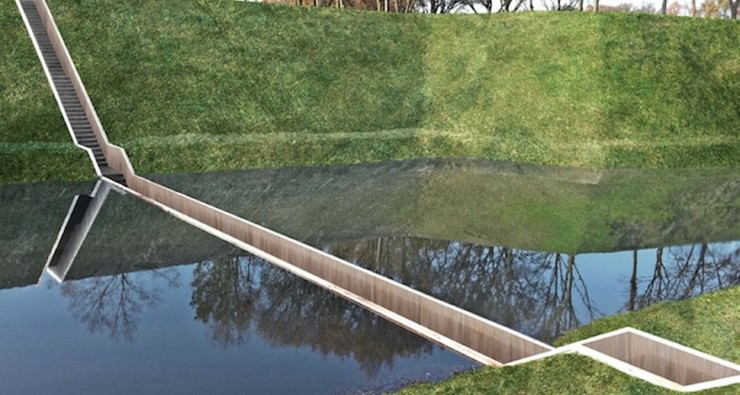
(707, 8)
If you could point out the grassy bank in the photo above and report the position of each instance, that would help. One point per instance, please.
(230, 85)
(34, 144)
(710, 323)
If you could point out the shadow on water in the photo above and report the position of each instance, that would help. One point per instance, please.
(537, 249)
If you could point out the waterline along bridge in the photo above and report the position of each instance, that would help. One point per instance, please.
(634, 352)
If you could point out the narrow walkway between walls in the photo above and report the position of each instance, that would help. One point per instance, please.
(639, 354)
(67, 96)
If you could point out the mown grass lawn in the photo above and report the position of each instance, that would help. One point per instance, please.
(709, 323)
(186, 87)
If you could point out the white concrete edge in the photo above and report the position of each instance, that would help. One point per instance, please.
(75, 75)
(712, 384)
(367, 272)
(56, 242)
(53, 87)
(628, 368)
(59, 277)
(686, 349)
(653, 378)
(373, 307)
(575, 347)
(581, 347)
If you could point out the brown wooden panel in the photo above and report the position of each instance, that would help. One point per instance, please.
(677, 365)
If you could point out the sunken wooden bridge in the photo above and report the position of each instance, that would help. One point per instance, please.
(654, 359)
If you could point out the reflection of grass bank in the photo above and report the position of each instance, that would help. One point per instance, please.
(230, 85)
(710, 323)
(571, 210)
(489, 203)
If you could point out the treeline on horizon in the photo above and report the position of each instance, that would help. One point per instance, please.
(706, 8)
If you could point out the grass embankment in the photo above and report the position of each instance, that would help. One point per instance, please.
(710, 323)
(229, 85)
(34, 144)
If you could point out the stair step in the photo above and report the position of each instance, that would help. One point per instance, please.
(76, 115)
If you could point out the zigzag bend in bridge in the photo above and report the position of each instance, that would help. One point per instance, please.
(639, 354)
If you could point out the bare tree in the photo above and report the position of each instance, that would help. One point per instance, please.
(733, 8)
(113, 303)
(225, 296)
(441, 6)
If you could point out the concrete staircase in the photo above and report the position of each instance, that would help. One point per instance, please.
(70, 101)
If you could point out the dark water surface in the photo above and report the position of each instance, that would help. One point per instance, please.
(152, 305)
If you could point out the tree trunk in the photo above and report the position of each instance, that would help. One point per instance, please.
(580, 5)
(596, 5)
(692, 11)
(633, 284)
(733, 9)
(664, 7)
(377, 5)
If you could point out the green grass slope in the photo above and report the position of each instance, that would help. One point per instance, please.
(226, 85)
(191, 87)
(710, 323)
(34, 144)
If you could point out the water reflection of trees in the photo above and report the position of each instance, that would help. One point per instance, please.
(113, 304)
(533, 292)
(685, 271)
(539, 293)
(236, 294)
(225, 296)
